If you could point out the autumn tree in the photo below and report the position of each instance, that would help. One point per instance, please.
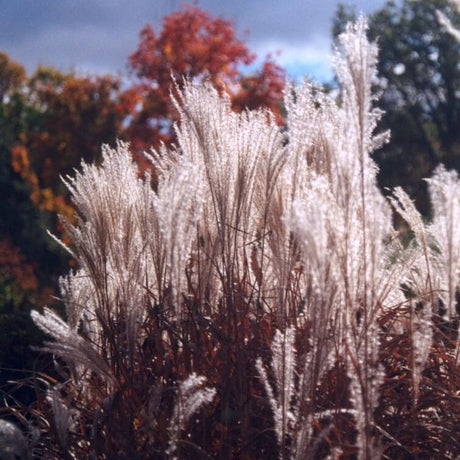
(22, 225)
(73, 116)
(29, 261)
(194, 44)
(13, 192)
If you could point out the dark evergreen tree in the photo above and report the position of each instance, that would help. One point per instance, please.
(420, 82)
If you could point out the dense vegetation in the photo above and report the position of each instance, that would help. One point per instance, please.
(244, 291)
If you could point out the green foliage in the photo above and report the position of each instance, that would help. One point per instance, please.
(29, 260)
(20, 218)
(344, 14)
(420, 78)
(18, 333)
(19, 342)
(419, 65)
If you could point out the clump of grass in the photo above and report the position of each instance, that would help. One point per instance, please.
(257, 302)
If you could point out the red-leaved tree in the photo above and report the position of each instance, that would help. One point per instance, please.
(192, 43)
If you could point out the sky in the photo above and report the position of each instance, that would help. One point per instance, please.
(97, 36)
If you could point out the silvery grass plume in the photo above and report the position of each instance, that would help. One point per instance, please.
(421, 278)
(282, 396)
(131, 244)
(189, 398)
(444, 188)
(64, 417)
(447, 23)
(435, 267)
(13, 443)
(341, 224)
(241, 156)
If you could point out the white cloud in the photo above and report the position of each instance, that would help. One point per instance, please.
(312, 59)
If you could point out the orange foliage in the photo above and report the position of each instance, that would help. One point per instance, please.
(14, 265)
(12, 75)
(191, 43)
(78, 115)
(194, 44)
(44, 198)
(73, 117)
(20, 162)
(263, 89)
